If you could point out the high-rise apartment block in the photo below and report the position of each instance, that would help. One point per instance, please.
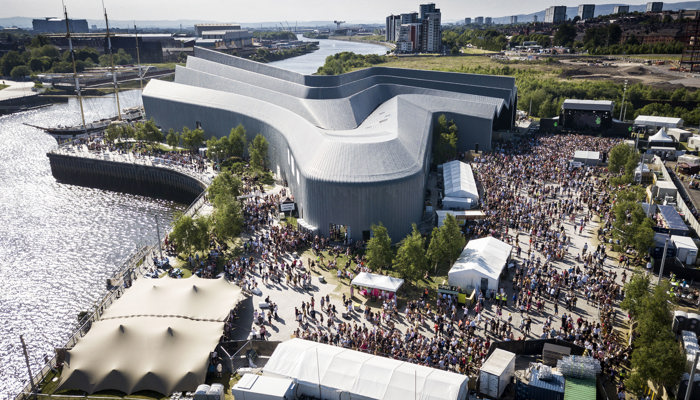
(488, 21)
(467, 21)
(393, 24)
(513, 19)
(555, 15)
(479, 20)
(621, 10)
(586, 11)
(655, 6)
(414, 32)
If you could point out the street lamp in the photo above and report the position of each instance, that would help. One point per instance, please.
(622, 106)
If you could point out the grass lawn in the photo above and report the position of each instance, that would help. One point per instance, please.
(473, 50)
(468, 64)
(3, 86)
(165, 65)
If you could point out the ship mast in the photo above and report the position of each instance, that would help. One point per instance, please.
(138, 62)
(75, 71)
(138, 57)
(111, 61)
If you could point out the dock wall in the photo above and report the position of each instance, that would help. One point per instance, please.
(123, 177)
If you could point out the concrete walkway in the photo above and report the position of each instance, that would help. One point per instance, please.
(16, 90)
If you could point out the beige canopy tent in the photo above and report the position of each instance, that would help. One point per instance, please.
(158, 336)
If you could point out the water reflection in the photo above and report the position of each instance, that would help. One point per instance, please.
(58, 243)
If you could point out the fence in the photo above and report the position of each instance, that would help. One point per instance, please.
(131, 269)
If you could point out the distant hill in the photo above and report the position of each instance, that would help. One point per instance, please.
(600, 9)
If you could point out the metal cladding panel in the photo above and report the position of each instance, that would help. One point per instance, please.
(354, 149)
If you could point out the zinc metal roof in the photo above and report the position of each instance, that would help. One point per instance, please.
(367, 126)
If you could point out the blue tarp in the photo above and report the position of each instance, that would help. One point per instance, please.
(673, 220)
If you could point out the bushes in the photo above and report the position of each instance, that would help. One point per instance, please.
(341, 63)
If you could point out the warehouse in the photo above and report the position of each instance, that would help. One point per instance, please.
(355, 148)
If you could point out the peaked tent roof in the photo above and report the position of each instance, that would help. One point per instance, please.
(661, 136)
(363, 375)
(459, 180)
(487, 255)
(157, 336)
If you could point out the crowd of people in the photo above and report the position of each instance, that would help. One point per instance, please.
(533, 199)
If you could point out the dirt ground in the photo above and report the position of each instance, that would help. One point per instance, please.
(635, 72)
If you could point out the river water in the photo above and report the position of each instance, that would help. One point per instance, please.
(309, 63)
(59, 243)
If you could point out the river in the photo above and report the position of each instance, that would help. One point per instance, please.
(308, 64)
(59, 243)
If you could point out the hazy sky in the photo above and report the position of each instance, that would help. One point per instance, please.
(272, 10)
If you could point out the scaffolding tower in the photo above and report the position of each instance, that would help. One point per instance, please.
(690, 60)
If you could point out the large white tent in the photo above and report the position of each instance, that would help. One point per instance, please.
(660, 137)
(481, 263)
(652, 120)
(460, 187)
(158, 336)
(376, 281)
(335, 373)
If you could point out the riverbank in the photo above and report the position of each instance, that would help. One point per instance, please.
(266, 56)
(361, 39)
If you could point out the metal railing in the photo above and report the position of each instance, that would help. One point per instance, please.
(132, 268)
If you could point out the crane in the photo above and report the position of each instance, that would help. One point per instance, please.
(337, 24)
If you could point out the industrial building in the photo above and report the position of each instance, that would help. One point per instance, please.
(655, 6)
(555, 15)
(586, 11)
(57, 25)
(355, 148)
(621, 10)
(199, 29)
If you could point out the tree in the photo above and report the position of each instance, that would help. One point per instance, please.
(636, 290)
(148, 131)
(119, 131)
(173, 139)
(656, 356)
(410, 259)
(621, 157)
(218, 149)
(258, 152)
(237, 141)
(444, 140)
(192, 138)
(227, 218)
(190, 234)
(379, 253)
(446, 243)
(566, 33)
(225, 185)
(9, 61)
(20, 72)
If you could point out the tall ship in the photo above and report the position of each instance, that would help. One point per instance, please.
(123, 116)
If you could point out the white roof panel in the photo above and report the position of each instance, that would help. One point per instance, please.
(376, 281)
(669, 122)
(486, 255)
(498, 362)
(459, 180)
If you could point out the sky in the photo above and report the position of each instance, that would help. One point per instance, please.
(273, 10)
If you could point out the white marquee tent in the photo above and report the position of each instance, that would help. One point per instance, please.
(376, 281)
(481, 263)
(157, 336)
(652, 120)
(345, 373)
(661, 137)
(460, 187)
